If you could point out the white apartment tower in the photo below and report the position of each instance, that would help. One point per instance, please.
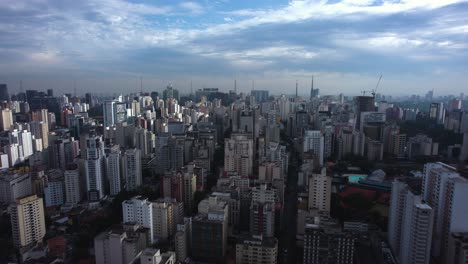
(140, 211)
(132, 169)
(94, 168)
(320, 191)
(27, 221)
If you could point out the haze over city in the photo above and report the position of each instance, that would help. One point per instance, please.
(106, 46)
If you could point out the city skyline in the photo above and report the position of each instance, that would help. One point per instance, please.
(108, 45)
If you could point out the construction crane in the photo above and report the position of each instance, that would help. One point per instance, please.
(373, 91)
(377, 86)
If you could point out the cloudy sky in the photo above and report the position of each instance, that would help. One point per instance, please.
(107, 45)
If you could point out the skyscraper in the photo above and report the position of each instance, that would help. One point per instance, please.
(363, 104)
(27, 221)
(4, 96)
(94, 165)
(170, 92)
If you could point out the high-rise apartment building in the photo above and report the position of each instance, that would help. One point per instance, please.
(140, 211)
(6, 119)
(27, 221)
(446, 192)
(314, 143)
(72, 184)
(113, 170)
(320, 191)
(167, 213)
(238, 155)
(94, 166)
(410, 225)
(132, 169)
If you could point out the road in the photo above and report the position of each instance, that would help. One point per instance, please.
(287, 244)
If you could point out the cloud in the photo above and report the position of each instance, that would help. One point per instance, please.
(224, 39)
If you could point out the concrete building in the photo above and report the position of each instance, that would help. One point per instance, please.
(14, 186)
(458, 248)
(238, 155)
(94, 166)
(6, 119)
(27, 221)
(326, 242)
(120, 245)
(410, 225)
(113, 170)
(257, 250)
(154, 256)
(140, 211)
(182, 239)
(314, 142)
(167, 213)
(132, 169)
(72, 184)
(320, 187)
(446, 192)
(209, 232)
(421, 145)
(54, 193)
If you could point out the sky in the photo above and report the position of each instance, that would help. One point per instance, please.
(109, 46)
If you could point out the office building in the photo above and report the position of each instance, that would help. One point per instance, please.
(114, 112)
(421, 145)
(458, 248)
(4, 96)
(257, 250)
(326, 242)
(27, 221)
(170, 92)
(132, 169)
(209, 234)
(363, 104)
(259, 95)
(183, 239)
